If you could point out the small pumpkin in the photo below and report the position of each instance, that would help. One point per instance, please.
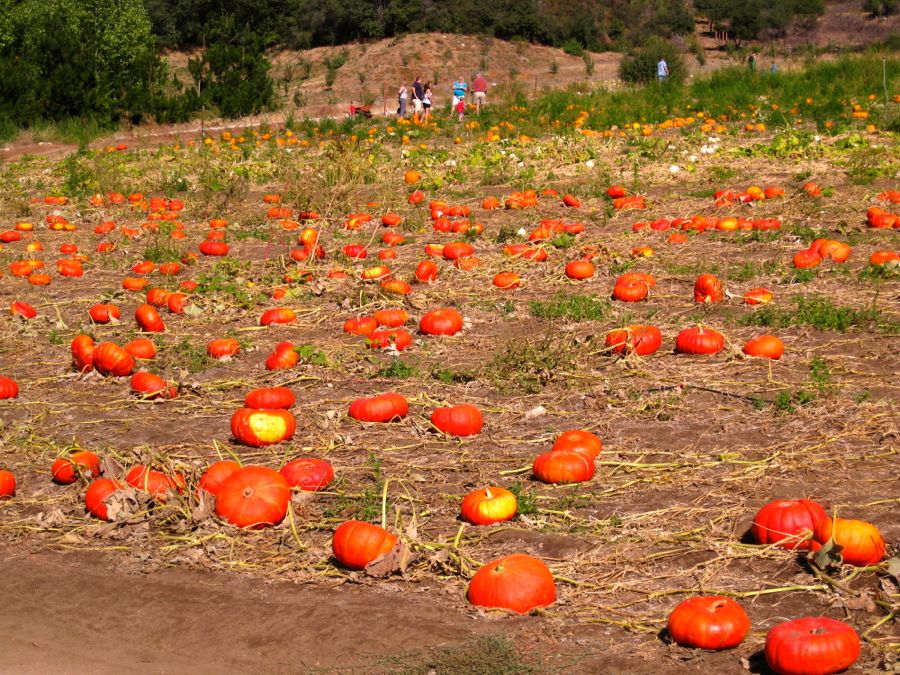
(708, 289)
(488, 505)
(221, 348)
(391, 318)
(580, 269)
(253, 497)
(82, 349)
(156, 483)
(390, 337)
(309, 474)
(708, 622)
(381, 408)
(141, 348)
(285, 356)
(356, 544)
(216, 474)
(426, 271)
(458, 420)
(9, 388)
(7, 484)
(151, 386)
(563, 466)
(270, 397)
(105, 313)
(815, 645)
(579, 440)
(277, 315)
(361, 325)
(699, 340)
(861, 542)
(764, 346)
(66, 470)
(790, 523)
(110, 359)
(443, 321)
(516, 582)
(149, 319)
(257, 428)
(96, 495)
(636, 339)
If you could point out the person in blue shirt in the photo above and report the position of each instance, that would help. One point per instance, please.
(662, 70)
(459, 95)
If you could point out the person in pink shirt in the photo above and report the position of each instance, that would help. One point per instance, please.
(479, 89)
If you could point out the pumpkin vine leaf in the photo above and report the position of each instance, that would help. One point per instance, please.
(827, 556)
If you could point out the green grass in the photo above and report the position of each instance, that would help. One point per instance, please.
(529, 366)
(450, 376)
(526, 501)
(485, 655)
(573, 307)
(397, 370)
(815, 311)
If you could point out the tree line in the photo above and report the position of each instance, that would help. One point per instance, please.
(100, 59)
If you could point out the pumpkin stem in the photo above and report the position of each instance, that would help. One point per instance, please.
(487, 493)
(248, 492)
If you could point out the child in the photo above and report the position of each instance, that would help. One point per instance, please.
(427, 101)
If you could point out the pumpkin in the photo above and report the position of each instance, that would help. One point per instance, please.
(861, 542)
(7, 484)
(69, 268)
(488, 505)
(806, 258)
(426, 271)
(149, 319)
(82, 348)
(110, 359)
(221, 348)
(381, 408)
(393, 337)
(391, 318)
(216, 474)
(579, 440)
(141, 348)
(22, 309)
(361, 325)
(758, 296)
(699, 340)
(764, 346)
(151, 386)
(271, 398)
(213, 248)
(66, 470)
(153, 482)
(253, 497)
(285, 356)
(708, 622)
(416, 197)
(794, 520)
(104, 313)
(277, 315)
(9, 388)
(356, 544)
(308, 474)
(637, 339)
(134, 283)
(458, 249)
(580, 269)
(571, 201)
(563, 466)
(256, 427)
(169, 269)
(708, 288)
(516, 582)
(458, 420)
(96, 495)
(443, 321)
(630, 291)
(507, 280)
(176, 302)
(813, 645)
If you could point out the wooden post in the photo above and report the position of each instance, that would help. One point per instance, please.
(383, 100)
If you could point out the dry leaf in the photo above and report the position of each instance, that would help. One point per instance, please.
(396, 560)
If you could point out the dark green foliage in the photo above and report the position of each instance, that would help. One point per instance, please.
(881, 7)
(639, 65)
(748, 19)
(233, 73)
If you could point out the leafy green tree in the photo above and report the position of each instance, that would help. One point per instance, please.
(881, 7)
(639, 64)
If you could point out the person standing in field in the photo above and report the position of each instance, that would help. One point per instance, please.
(479, 89)
(459, 96)
(662, 70)
(418, 94)
(427, 101)
(402, 97)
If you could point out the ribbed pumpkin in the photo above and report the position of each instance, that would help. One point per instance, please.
(308, 473)
(516, 582)
(356, 544)
(382, 408)
(110, 359)
(458, 420)
(791, 521)
(258, 427)
(253, 497)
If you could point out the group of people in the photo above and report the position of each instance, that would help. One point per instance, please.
(423, 98)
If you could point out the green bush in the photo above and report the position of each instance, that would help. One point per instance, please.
(573, 47)
(881, 7)
(639, 65)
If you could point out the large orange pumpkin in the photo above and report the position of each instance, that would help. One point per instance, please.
(356, 544)
(516, 582)
(253, 497)
(256, 427)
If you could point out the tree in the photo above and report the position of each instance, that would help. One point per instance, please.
(639, 64)
(881, 7)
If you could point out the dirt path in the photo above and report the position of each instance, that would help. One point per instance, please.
(81, 612)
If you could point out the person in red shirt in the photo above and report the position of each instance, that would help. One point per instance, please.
(479, 87)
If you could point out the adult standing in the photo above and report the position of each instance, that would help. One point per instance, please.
(418, 95)
(402, 97)
(479, 89)
(459, 96)
(662, 70)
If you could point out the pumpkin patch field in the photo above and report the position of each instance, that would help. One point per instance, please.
(579, 399)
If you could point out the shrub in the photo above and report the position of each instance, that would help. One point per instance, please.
(573, 47)
(639, 65)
